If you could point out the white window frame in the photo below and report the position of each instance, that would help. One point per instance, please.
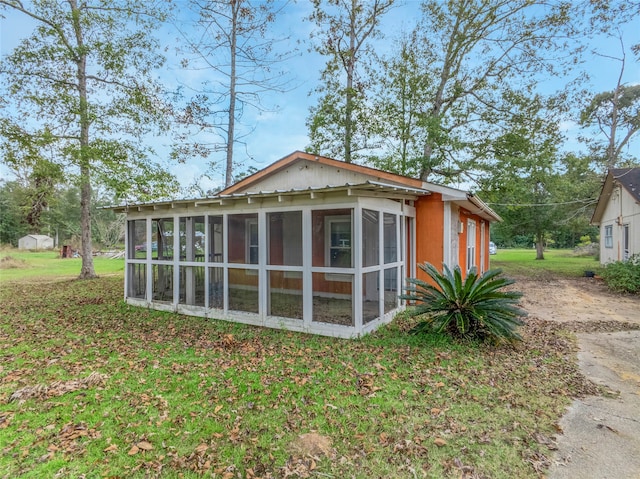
(328, 221)
(471, 244)
(251, 223)
(608, 236)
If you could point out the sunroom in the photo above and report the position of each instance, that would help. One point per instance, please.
(329, 261)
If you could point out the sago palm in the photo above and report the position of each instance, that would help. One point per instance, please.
(475, 307)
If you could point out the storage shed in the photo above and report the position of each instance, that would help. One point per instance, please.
(307, 244)
(35, 242)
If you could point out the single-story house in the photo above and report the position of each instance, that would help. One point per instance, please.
(617, 214)
(35, 242)
(307, 244)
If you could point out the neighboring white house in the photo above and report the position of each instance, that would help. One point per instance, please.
(618, 215)
(35, 242)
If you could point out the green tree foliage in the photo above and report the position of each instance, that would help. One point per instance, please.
(83, 96)
(338, 124)
(483, 49)
(616, 116)
(231, 41)
(13, 225)
(401, 89)
(524, 179)
(476, 307)
(62, 217)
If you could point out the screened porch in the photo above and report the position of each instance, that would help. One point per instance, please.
(332, 267)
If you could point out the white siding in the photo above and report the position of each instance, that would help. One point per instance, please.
(303, 174)
(621, 210)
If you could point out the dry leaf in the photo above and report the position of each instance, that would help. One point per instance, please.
(144, 445)
(439, 442)
(201, 448)
(133, 451)
(112, 447)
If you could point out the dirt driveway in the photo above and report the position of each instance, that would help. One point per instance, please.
(580, 300)
(601, 434)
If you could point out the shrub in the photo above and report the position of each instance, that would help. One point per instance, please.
(473, 308)
(623, 276)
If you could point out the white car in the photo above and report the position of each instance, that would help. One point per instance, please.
(492, 248)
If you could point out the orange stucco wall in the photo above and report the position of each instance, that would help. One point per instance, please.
(429, 231)
(430, 245)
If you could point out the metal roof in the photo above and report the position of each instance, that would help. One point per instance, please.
(373, 188)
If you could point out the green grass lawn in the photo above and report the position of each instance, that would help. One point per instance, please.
(90, 386)
(22, 265)
(559, 262)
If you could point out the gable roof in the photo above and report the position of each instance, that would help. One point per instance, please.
(359, 174)
(628, 178)
(303, 173)
(283, 163)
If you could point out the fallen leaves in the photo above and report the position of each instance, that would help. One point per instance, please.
(186, 394)
(57, 388)
(140, 446)
(438, 441)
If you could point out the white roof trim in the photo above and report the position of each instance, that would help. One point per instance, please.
(374, 187)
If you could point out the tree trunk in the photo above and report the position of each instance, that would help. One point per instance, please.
(228, 177)
(87, 271)
(348, 115)
(540, 246)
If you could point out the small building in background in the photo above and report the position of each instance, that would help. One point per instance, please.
(617, 214)
(35, 242)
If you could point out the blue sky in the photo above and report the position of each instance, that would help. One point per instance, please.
(279, 132)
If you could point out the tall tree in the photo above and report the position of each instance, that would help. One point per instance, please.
(482, 49)
(616, 116)
(82, 91)
(231, 41)
(401, 88)
(345, 28)
(524, 180)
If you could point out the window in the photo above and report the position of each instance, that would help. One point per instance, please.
(608, 236)
(625, 243)
(338, 241)
(471, 244)
(251, 241)
(243, 238)
(332, 241)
